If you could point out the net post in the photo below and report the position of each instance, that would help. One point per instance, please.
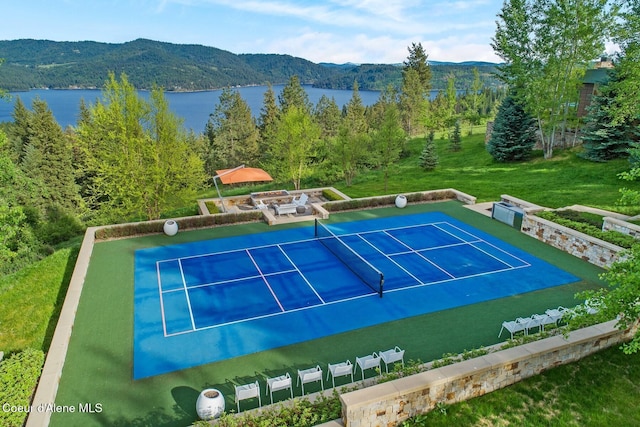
(381, 285)
(315, 231)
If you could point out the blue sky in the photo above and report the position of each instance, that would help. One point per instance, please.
(361, 31)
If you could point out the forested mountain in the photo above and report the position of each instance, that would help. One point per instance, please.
(61, 65)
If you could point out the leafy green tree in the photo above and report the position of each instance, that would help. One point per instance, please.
(329, 117)
(429, 156)
(513, 136)
(625, 106)
(413, 102)
(351, 149)
(472, 101)
(232, 133)
(389, 139)
(138, 162)
(294, 147)
(546, 46)
(621, 300)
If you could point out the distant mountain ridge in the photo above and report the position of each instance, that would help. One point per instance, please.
(187, 67)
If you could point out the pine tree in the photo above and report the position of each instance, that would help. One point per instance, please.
(456, 138)
(429, 156)
(513, 135)
(603, 137)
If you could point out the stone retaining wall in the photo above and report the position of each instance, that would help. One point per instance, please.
(391, 403)
(588, 248)
(614, 224)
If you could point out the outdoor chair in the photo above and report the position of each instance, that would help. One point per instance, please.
(558, 313)
(300, 201)
(340, 370)
(282, 382)
(540, 320)
(261, 205)
(514, 326)
(248, 391)
(310, 375)
(371, 361)
(391, 356)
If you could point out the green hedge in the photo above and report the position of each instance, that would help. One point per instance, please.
(201, 221)
(331, 195)
(613, 237)
(18, 378)
(372, 202)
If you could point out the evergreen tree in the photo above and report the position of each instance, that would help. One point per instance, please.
(429, 156)
(293, 94)
(418, 61)
(603, 137)
(413, 102)
(352, 143)
(267, 123)
(513, 135)
(232, 133)
(455, 138)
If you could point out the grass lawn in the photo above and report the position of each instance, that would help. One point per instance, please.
(98, 368)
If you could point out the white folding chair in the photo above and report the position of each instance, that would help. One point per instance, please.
(543, 320)
(282, 382)
(340, 370)
(300, 201)
(391, 356)
(371, 361)
(248, 391)
(310, 375)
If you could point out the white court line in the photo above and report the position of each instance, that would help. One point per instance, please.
(388, 257)
(186, 293)
(359, 234)
(300, 273)
(164, 322)
(264, 279)
(479, 240)
(233, 322)
(225, 282)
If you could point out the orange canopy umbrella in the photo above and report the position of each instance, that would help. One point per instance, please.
(234, 176)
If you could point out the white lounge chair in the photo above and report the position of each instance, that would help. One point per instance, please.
(282, 382)
(391, 356)
(261, 205)
(310, 375)
(340, 370)
(285, 209)
(300, 201)
(514, 326)
(556, 314)
(248, 391)
(371, 361)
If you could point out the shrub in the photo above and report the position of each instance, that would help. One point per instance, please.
(18, 378)
(613, 237)
(331, 195)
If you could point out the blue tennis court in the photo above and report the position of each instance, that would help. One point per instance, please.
(207, 301)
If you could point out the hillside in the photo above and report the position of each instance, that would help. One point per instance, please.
(177, 67)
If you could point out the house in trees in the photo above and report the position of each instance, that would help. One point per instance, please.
(592, 78)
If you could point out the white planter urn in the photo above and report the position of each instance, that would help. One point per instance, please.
(170, 227)
(401, 201)
(210, 404)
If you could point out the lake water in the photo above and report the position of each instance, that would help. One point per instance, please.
(193, 107)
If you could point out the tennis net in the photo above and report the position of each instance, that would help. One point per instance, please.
(362, 268)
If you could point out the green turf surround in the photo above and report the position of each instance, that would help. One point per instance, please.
(98, 367)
